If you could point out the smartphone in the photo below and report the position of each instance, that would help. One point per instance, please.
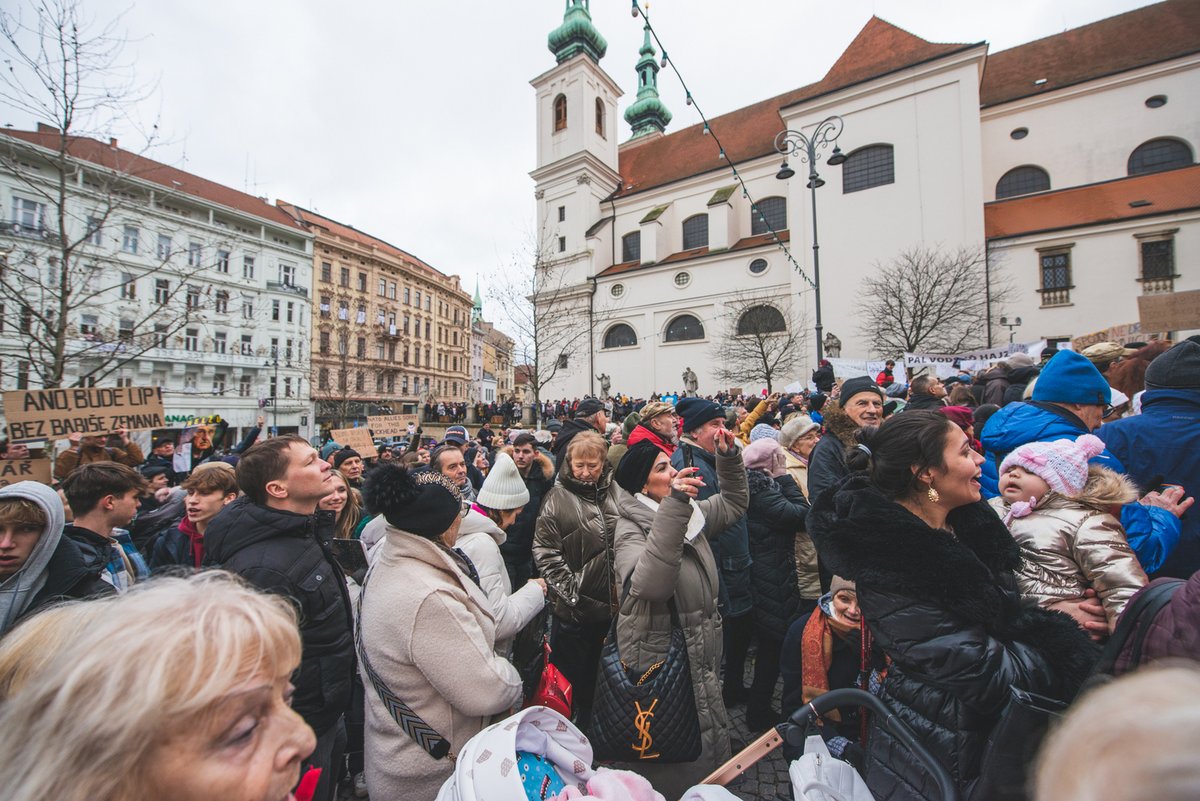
(688, 461)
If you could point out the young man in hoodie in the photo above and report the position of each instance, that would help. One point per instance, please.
(38, 565)
(210, 488)
(274, 538)
(104, 498)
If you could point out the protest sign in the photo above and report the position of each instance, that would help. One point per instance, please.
(35, 414)
(389, 426)
(1172, 311)
(14, 470)
(357, 438)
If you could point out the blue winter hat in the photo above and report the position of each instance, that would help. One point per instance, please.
(1070, 378)
(697, 411)
(763, 431)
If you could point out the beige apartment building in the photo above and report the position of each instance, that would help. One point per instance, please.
(390, 332)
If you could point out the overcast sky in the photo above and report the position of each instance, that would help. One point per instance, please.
(415, 121)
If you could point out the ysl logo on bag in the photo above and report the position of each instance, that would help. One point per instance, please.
(642, 723)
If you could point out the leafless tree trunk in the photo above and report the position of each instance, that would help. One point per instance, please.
(760, 343)
(58, 256)
(932, 301)
(332, 381)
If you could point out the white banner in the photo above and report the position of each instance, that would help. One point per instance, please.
(947, 364)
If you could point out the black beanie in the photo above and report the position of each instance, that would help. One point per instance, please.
(853, 386)
(341, 456)
(636, 465)
(424, 503)
(1178, 368)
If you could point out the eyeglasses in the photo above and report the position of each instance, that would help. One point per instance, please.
(465, 510)
(1108, 410)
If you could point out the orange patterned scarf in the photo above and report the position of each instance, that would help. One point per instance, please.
(816, 649)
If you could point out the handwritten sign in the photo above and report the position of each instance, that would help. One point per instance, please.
(14, 470)
(391, 425)
(56, 413)
(1175, 311)
(357, 438)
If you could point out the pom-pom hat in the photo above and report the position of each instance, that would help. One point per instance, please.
(1062, 464)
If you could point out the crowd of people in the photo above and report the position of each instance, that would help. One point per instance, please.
(279, 618)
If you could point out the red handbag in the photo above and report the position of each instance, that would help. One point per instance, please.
(553, 690)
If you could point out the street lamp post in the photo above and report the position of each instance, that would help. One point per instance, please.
(791, 143)
(1011, 326)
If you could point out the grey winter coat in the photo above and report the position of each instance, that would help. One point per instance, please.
(652, 551)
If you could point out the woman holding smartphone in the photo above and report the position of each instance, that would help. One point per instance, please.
(662, 552)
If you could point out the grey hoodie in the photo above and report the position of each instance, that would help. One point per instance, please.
(19, 590)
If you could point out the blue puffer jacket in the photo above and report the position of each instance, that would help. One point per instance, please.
(1162, 445)
(732, 547)
(1152, 532)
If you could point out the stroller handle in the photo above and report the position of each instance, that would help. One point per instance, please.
(794, 730)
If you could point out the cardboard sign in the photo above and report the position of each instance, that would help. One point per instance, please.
(55, 413)
(390, 426)
(1177, 311)
(14, 470)
(357, 438)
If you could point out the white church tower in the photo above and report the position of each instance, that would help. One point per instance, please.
(576, 171)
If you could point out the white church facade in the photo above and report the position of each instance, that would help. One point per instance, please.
(1068, 160)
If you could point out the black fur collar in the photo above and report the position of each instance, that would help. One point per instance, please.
(864, 537)
(838, 423)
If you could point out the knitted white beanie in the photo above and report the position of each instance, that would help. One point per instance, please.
(1062, 464)
(503, 488)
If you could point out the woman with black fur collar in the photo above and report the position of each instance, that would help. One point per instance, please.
(934, 569)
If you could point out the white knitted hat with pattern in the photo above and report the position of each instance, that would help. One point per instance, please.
(1063, 464)
(503, 488)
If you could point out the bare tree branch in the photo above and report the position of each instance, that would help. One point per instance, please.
(760, 343)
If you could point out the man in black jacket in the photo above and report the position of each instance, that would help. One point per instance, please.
(274, 538)
(926, 392)
(590, 415)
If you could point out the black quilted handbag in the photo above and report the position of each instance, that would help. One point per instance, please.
(647, 716)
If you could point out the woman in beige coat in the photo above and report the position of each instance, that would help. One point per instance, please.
(428, 633)
(662, 549)
(798, 437)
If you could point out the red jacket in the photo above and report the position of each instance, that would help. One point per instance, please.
(640, 432)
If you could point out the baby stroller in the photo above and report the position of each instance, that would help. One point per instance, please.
(490, 760)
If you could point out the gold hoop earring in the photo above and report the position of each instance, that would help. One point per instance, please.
(933, 495)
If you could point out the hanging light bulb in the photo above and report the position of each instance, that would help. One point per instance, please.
(634, 10)
(721, 155)
(689, 98)
(705, 129)
(664, 60)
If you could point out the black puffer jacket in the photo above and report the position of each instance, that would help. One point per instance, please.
(777, 511)
(573, 546)
(945, 609)
(288, 554)
(73, 572)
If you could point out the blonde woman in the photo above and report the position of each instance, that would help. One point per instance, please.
(198, 709)
(346, 503)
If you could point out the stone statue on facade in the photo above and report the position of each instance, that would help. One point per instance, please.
(832, 346)
(690, 383)
(605, 384)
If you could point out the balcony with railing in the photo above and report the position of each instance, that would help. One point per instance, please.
(1161, 285)
(280, 286)
(1056, 297)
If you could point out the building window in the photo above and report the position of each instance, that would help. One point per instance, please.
(562, 244)
(761, 320)
(247, 344)
(682, 279)
(1056, 277)
(631, 246)
(563, 361)
(620, 336)
(129, 239)
(218, 383)
(1156, 101)
(219, 342)
(407, 296)
(191, 339)
(163, 249)
(695, 232)
(362, 347)
(344, 276)
(193, 296)
(160, 335)
(326, 272)
(22, 375)
(382, 288)
(362, 282)
(195, 254)
(276, 305)
(560, 113)
(391, 290)
(31, 216)
(94, 231)
(1019, 133)
(88, 323)
(291, 312)
(221, 302)
(759, 266)
(244, 386)
(769, 214)
(600, 118)
(324, 340)
(287, 274)
(562, 213)
(247, 267)
(868, 167)
(1023, 180)
(128, 287)
(287, 387)
(1158, 264)
(1158, 155)
(125, 330)
(683, 328)
(617, 290)
(248, 307)
(223, 261)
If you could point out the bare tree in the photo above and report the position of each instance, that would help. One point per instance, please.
(544, 312)
(761, 344)
(932, 300)
(74, 298)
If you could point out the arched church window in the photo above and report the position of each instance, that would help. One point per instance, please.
(1158, 155)
(683, 328)
(560, 113)
(762, 319)
(1024, 180)
(600, 117)
(620, 336)
(774, 209)
(695, 232)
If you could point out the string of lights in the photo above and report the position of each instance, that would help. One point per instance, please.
(709, 131)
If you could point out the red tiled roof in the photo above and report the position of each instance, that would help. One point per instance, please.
(351, 233)
(742, 244)
(1095, 204)
(139, 167)
(749, 132)
(1135, 39)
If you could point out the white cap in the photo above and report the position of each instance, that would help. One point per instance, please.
(503, 488)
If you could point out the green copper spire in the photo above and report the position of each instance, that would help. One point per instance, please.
(648, 113)
(577, 34)
(477, 310)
